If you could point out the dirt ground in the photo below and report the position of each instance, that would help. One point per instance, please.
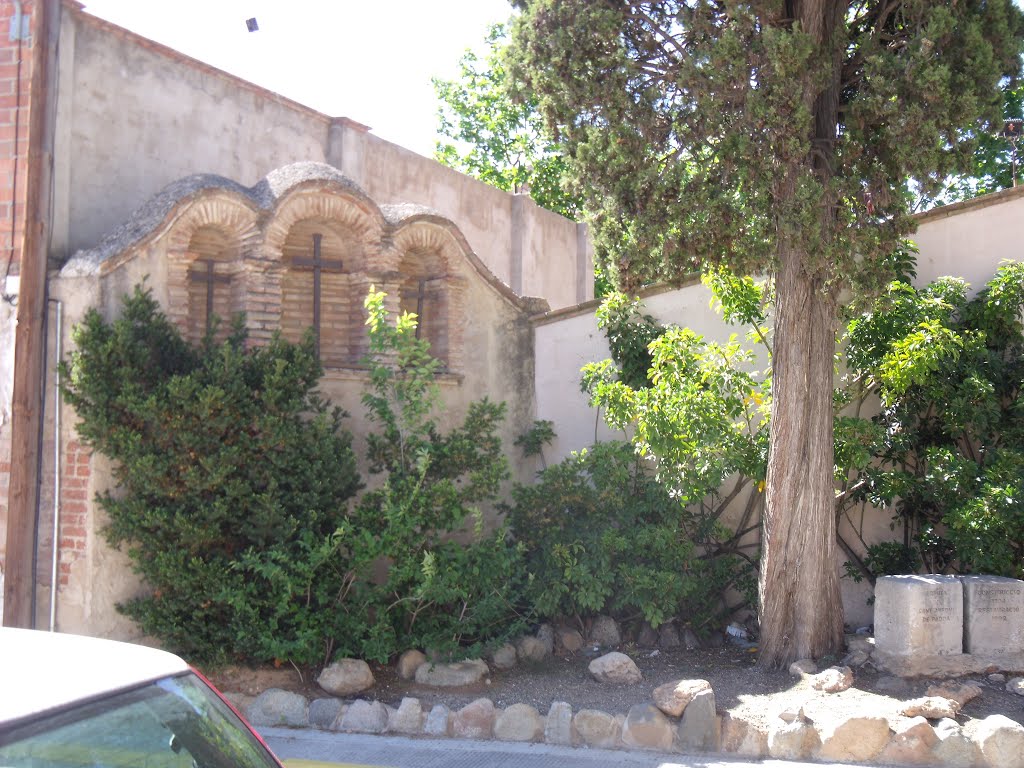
(740, 687)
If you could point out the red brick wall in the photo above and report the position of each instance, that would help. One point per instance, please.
(74, 505)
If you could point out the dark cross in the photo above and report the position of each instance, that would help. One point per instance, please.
(420, 295)
(210, 278)
(318, 265)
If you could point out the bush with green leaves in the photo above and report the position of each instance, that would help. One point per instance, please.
(438, 592)
(947, 447)
(602, 536)
(233, 479)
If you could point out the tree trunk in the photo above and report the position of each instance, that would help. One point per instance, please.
(801, 610)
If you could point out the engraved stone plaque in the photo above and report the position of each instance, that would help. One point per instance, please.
(919, 615)
(993, 615)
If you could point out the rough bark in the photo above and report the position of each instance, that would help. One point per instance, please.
(801, 609)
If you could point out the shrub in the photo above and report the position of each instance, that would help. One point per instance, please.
(437, 593)
(601, 536)
(949, 446)
(233, 480)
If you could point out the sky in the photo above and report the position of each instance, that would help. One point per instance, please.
(369, 60)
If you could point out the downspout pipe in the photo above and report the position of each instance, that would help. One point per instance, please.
(59, 331)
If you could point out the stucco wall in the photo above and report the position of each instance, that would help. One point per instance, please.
(133, 115)
(969, 239)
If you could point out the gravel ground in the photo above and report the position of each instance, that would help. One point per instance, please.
(740, 687)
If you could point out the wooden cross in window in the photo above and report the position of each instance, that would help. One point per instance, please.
(209, 277)
(420, 295)
(318, 265)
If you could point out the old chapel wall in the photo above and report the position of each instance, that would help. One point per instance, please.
(134, 115)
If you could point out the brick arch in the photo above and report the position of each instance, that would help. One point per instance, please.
(359, 218)
(347, 230)
(206, 246)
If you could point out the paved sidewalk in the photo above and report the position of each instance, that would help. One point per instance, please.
(399, 752)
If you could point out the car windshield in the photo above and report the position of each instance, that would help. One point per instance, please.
(176, 722)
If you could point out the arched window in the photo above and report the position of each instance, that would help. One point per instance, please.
(318, 257)
(209, 280)
(424, 292)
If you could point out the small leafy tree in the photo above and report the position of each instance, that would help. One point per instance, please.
(233, 480)
(947, 447)
(498, 139)
(437, 592)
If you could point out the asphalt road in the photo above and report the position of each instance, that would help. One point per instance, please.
(397, 752)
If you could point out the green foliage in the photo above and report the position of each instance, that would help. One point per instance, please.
(600, 536)
(233, 478)
(949, 442)
(992, 165)
(703, 416)
(705, 133)
(630, 333)
(498, 139)
(532, 441)
(436, 593)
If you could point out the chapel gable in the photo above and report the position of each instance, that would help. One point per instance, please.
(299, 252)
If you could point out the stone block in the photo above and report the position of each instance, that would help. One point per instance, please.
(672, 698)
(558, 728)
(911, 743)
(408, 718)
(475, 720)
(519, 722)
(409, 662)
(700, 728)
(1001, 741)
(451, 675)
(504, 657)
(276, 707)
(363, 716)
(954, 748)
(597, 729)
(616, 668)
(742, 737)
(345, 677)
(993, 614)
(792, 741)
(919, 615)
(323, 712)
(647, 728)
(437, 722)
(852, 737)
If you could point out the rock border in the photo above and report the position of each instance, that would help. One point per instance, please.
(995, 742)
(681, 717)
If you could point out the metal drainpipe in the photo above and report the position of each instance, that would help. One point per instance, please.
(56, 470)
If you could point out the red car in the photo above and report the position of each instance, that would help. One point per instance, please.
(74, 702)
